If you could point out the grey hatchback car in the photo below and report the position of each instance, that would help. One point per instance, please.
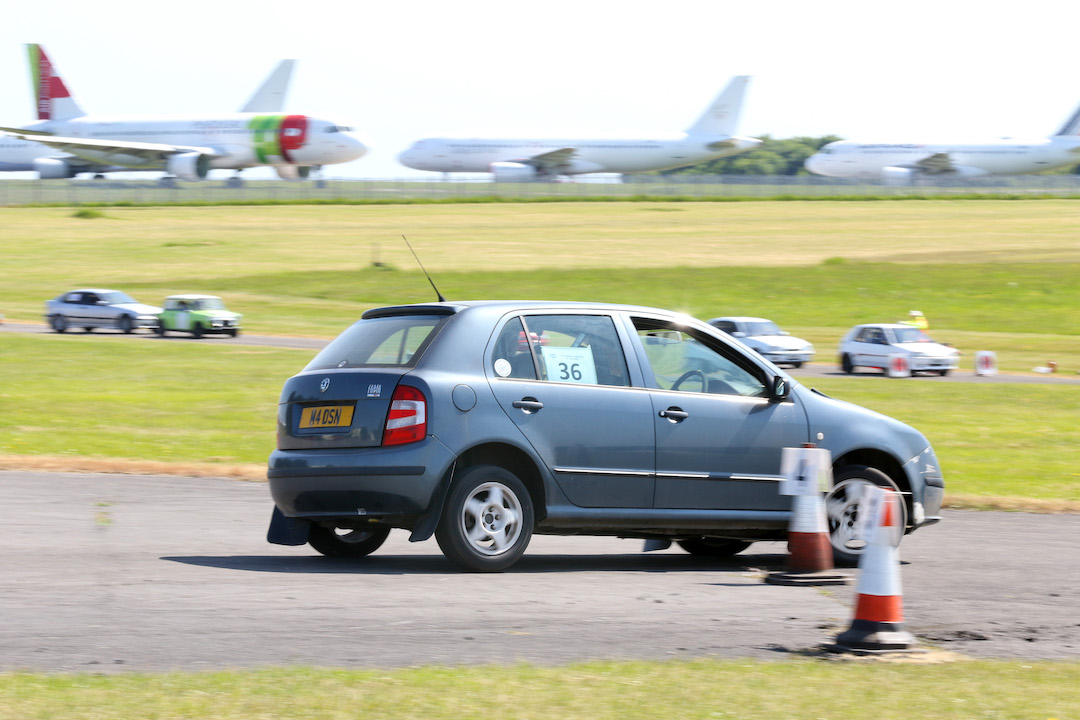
(483, 423)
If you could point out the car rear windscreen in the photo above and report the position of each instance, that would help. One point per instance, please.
(395, 341)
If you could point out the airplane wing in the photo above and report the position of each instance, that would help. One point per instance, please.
(936, 164)
(117, 152)
(551, 161)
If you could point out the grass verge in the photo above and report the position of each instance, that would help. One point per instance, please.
(100, 402)
(746, 690)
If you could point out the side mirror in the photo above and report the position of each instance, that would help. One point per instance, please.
(780, 389)
(738, 333)
(784, 332)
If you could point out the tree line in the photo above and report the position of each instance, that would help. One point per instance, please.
(783, 156)
(774, 156)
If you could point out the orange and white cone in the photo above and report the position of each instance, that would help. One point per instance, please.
(810, 555)
(878, 625)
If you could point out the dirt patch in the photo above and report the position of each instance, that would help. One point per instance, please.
(53, 463)
(63, 463)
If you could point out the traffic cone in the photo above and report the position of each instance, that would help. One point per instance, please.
(878, 626)
(810, 556)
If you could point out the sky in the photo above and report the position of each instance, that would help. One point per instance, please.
(400, 71)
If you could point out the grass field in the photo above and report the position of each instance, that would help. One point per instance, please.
(990, 275)
(113, 397)
(982, 271)
(596, 691)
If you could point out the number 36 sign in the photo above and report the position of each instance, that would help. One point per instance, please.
(569, 364)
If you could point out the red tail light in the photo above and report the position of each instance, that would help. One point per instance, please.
(407, 419)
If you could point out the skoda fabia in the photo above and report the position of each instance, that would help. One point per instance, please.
(483, 423)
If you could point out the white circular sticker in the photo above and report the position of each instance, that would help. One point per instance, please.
(502, 367)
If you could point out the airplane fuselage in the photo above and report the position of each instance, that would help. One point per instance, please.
(18, 155)
(589, 155)
(238, 140)
(853, 159)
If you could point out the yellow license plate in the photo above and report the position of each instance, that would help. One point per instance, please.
(326, 416)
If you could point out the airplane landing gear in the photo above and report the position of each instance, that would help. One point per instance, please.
(235, 181)
(167, 181)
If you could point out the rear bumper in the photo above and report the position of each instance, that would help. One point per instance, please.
(365, 482)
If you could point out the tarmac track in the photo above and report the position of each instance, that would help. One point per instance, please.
(805, 373)
(110, 573)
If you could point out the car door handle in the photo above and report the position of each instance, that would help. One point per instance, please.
(674, 414)
(529, 405)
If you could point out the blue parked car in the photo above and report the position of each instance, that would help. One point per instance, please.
(482, 423)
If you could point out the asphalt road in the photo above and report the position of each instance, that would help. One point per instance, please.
(806, 373)
(106, 573)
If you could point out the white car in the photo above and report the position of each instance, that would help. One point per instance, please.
(764, 336)
(91, 308)
(873, 345)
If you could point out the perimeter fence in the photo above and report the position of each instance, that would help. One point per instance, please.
(679, 187)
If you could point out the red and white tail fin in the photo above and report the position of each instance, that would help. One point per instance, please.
(51, 96)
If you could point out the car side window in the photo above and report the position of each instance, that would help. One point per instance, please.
(871, 335)
(727, 326)
(512, 357)
(579, 349)
(687, 361)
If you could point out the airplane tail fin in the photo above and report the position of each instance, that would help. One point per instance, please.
(722, 117)
(1071, 126)
(51, 96)
(270, 97)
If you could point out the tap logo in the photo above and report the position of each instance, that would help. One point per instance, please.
(275, 136)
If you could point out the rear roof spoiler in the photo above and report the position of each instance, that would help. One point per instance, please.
(410, 310)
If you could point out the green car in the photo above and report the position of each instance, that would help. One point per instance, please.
(198, 315)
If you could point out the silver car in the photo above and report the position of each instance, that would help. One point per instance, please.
(483, 423)
(873, 346)
(767, 338)
(91, 308)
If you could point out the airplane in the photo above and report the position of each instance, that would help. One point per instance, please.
(902, 163)
(185, 147)
(711, 136)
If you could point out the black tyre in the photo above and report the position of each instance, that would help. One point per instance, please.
(88, 328)
(943, 373)
(796, 365)
(59, 324)
(233, 333)
(160, 329)
(125, 324)
(712, 546)
(845, 364)
(345, 542)
(487, 520)
(842, 505)
(197, 331)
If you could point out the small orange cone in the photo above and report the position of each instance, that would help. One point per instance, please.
(878, 626)
(810, 555)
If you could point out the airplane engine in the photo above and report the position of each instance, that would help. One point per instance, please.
(513, 172)
(897, 176)
(53, 169)
(188, 166)
(293, 172)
